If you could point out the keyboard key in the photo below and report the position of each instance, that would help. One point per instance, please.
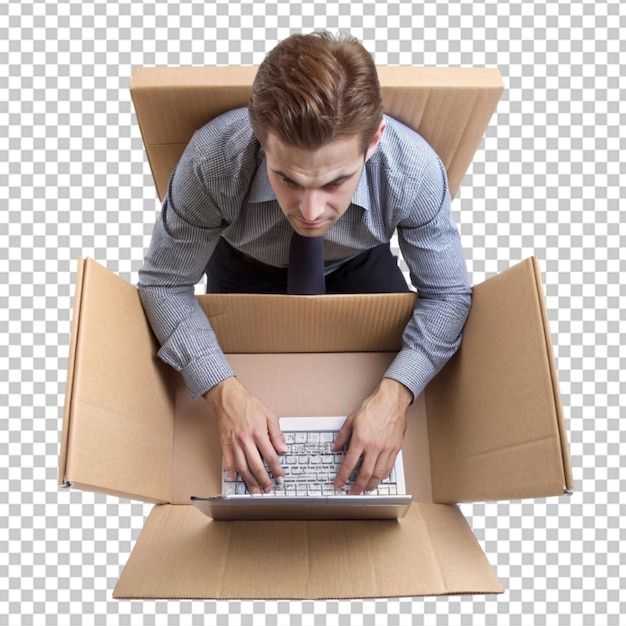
(310, 467)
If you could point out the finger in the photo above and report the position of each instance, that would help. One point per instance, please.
(343, 436)
(382, 469)
(268, 452)
(256, 466)
(230, 466)
(353, 456)
(245, 473)
(366, 471)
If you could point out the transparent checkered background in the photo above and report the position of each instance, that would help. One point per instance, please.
(547, 181)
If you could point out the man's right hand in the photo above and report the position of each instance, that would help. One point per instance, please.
(249, 434)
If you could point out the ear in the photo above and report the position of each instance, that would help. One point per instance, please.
(374, 143)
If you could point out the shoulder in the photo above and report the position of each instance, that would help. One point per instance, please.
(411, 174)
(404, 152)
(217, 166)
(225, 147)
(231, 129)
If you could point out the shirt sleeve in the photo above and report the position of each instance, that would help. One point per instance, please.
(430, 244)
(179, 251)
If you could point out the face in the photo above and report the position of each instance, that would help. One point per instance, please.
(314, 188)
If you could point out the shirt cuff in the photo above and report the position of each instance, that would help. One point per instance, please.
(412, 369)
(205, 373)
(200, 372)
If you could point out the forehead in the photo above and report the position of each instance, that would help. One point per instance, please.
(334, 159)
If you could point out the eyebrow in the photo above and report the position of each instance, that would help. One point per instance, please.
(336, 181)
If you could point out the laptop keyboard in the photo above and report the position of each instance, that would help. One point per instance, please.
(310, 467)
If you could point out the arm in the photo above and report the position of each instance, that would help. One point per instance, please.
(191, 222)
(433, 252)
(249, 432)
(179, 251)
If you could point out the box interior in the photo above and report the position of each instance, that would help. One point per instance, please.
(489, 426)
(292, 385)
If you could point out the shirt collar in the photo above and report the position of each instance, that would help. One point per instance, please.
(261, 190)
(361, 195)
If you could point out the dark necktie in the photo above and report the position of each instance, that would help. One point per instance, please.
(305, 272)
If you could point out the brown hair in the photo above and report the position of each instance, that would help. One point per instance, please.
(314, 89)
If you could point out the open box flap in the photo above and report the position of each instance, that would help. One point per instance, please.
(118, 417)
(180, 553)
(495, 419)
(450, 107)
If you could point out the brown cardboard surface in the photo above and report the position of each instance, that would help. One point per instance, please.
(119, 406)
(558, 406)
(183, 554)
(495, 418)
(491, 419)
(260, 324)
(449, 107)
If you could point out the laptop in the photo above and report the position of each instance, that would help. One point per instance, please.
(307, 490)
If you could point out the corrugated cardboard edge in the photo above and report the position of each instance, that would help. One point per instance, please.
(191, 76)
(181, 554)
(238, 75)
(67, 407)
(567, 463)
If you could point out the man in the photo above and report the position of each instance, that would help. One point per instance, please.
(312, 154)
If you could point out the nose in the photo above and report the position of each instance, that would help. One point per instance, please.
(312, 204)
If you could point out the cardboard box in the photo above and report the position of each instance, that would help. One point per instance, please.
(489, 426)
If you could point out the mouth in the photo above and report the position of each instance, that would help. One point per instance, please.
(316, 225)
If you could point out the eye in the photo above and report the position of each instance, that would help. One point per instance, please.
(288, 183)
(333, 186)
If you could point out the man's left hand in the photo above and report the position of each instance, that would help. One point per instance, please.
(376, 432)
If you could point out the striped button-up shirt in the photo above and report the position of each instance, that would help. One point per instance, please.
(220, 189)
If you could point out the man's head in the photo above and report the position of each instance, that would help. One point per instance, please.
(314, 89)
(317, 111)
